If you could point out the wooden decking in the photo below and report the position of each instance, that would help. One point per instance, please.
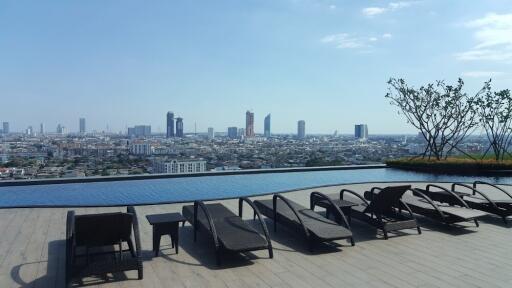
(32, 255)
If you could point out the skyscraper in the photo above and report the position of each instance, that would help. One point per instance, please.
(140, 131)
(170, 124)
(179, 127)
(249, 124)
(82, 126)
(211, 133)
(361, 131)
(301, 129)
(5, 127)
(41, 129)
(232, 132)
(267, 126)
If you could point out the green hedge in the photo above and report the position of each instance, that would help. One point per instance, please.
(453, 165)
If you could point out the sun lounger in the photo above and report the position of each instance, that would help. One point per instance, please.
(420, 203)
(314, 227)
(378, 208)
(229, 232)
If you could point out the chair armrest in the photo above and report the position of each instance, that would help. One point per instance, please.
(334, 206)
(430, 201)
(285, 201)
(462, 202)
(200, 204)
(136, 231)
(241, 201)
(492, 185)
(354, 194)
(475, 191)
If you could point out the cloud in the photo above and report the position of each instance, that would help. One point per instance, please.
(348, 41)
(374, 11)
(482, 74)
(493, 35)
(332, 7)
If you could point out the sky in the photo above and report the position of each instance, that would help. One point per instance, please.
(123, 63)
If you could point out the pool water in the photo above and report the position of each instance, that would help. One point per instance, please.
(169, 190)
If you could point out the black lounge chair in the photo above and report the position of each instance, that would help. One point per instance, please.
(91, 240)
(477, 199)
(420, 203)
(314, 226)
(381, 211)
(229, 232)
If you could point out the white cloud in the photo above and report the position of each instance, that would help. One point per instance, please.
(332, 7)
(493, 35)
(348, 41)
(482, 74)
(374, 11)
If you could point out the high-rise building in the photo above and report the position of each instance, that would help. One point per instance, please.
(41, 129)
(61, 129)
(232, 132)
(170, 124)
(5, 128)
(361, 131)
(267, 126)
(82, 126)
(301, 129)
(140, 131)
(179, 127)
(211, 133)
(249, 124)
(29, 131)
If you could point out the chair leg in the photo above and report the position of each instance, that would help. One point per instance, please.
(476, 223)
(140, 273)
(505, 220)
(270, 253)
(352, 242)
(419, 229)
(385, 234)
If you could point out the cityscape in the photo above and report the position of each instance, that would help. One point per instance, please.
(40, 154)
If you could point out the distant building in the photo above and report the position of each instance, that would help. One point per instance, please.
(179, 166)
(29, 131)
(61, 129)
(81, 126)
(5, 128)
(361, 131)
(301, 129)
(267, 126)
(170, 124)
(141, 148)
(140, 131)
(211, 133)
(241, 133)
(179, 127)
(232, 132)
(41, 129)
(249, 124)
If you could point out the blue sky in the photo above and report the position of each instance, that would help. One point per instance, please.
(121, 63)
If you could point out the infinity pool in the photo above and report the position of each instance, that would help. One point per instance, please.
(139, 192)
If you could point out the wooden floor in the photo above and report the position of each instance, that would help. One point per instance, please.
(32, 255)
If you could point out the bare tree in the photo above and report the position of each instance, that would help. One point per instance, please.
(443, 114)
(495, 111)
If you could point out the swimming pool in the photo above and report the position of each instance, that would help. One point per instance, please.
(169, 190)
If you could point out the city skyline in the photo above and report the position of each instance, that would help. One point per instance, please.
(136, 61)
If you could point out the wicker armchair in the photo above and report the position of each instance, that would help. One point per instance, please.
(94, 244)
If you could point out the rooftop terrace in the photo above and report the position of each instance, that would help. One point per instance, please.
(32, 254)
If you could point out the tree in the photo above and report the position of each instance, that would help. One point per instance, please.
(443, 114)
(495, 111)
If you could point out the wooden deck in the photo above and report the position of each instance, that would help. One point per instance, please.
(32, 255)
